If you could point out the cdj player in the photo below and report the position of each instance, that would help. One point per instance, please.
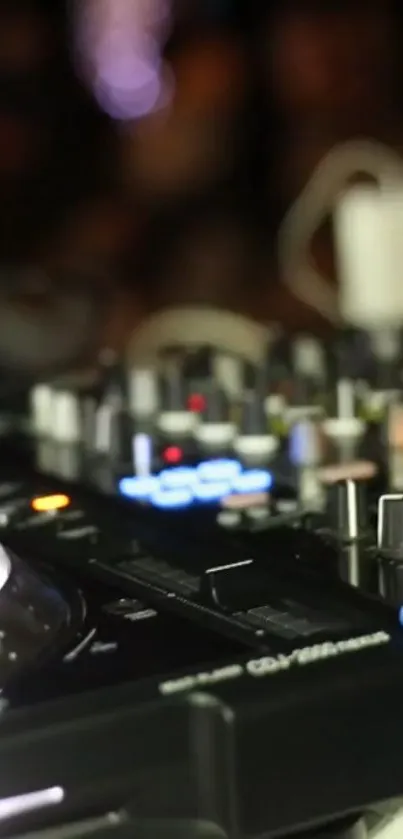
(201, 589)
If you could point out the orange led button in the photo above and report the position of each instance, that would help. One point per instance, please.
(48, 503)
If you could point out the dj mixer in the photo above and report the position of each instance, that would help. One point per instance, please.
(201, 590)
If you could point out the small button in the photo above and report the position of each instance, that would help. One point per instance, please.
(36, 520)
(229, 519)
(76, 534)
(258, 513)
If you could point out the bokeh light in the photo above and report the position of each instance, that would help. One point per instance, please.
(118, 53)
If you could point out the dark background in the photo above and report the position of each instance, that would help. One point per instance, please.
(300, 77)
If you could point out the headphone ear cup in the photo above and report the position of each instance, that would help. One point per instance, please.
(46, 332)
(200, 326)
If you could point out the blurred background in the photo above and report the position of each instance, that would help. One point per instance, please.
(149, 150)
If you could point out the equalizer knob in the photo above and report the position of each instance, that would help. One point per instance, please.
(174, 417)
(347, 510)
(390, 548)
(254, 439)
(345, 423)
(217, 428)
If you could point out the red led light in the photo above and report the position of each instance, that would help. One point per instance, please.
(173, 454)
(196, 403)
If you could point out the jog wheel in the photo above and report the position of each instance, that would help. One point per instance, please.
(35, 619)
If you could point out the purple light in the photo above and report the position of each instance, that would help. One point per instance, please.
(119, 54)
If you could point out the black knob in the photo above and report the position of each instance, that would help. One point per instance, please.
(347, 510)
(253, 421)
(309, 371)
(173, 389)
(216, 408)
(386, 349)
(199, 366)
(255, 379)
(175, 418)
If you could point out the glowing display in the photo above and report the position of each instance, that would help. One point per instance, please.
(209, 482)
(173, 499)
(183, 476)
(140, 488)
(401, 616)
(219, 470)
(210, 491)
(48, 503)
(256, 480)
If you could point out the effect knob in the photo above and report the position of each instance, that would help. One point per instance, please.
(254, 439)
(216, 428)
(174, 418)
(345, 423)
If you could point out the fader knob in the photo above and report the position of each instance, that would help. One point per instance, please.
(348, 510)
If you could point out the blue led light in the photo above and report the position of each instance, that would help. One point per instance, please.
(172, 499)
(140, 488)
(255, 480)
(183, 476)
(219, 470)
(211, 492)
(401, 616)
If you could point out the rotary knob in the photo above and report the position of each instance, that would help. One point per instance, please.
(216, 428)
(174, 417)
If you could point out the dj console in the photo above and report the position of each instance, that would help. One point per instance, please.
(201, 592)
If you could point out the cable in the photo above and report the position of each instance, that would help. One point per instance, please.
(315, 203)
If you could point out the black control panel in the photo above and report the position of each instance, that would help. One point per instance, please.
(201, 594)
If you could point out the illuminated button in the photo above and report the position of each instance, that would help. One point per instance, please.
(219, 470)
(173, 499)
(50, 503)
(256, 480)
(173, 454)
(176, 478)
(210, 491)
(140, 488)
(196, 403)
